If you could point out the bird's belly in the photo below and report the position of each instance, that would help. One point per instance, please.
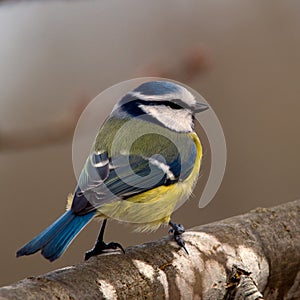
(148, 210)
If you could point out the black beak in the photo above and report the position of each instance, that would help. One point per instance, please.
(198, 107)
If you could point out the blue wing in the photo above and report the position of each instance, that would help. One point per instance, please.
(104, 180)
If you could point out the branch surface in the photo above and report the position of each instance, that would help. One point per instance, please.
(241, 257)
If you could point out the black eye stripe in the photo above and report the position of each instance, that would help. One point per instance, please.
(174, 105)
(133, 106)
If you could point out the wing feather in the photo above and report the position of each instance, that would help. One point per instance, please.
(105, 180)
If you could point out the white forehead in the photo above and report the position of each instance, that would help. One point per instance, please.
(163, 91)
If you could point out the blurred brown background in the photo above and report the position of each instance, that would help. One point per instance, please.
(55, 53)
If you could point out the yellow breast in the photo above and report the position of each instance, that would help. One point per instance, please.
(148, 210)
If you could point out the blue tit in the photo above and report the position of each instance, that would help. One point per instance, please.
(144, 162)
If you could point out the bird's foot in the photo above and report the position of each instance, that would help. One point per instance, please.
(177, 230)
(101, 247)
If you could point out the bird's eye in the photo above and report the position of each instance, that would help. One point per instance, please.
(175, 105)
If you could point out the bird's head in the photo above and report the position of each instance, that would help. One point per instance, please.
(164, 102)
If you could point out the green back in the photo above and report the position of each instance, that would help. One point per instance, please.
(138, 137)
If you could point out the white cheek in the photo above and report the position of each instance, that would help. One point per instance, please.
(177, 120)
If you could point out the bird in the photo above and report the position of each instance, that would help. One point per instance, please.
(144, 163)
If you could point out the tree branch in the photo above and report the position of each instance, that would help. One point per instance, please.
(237, 258)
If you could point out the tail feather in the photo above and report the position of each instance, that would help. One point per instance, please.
(57, 246)
(54, 240)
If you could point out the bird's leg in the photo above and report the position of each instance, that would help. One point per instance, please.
(100, 246)
(178, 230)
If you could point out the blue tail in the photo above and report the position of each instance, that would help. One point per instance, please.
(54, 240)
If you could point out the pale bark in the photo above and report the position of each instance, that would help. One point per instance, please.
(263, 242)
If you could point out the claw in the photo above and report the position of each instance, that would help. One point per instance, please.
(180, 241)
(89, 254)
(113, 245)
(101, 248)
(177, 230)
